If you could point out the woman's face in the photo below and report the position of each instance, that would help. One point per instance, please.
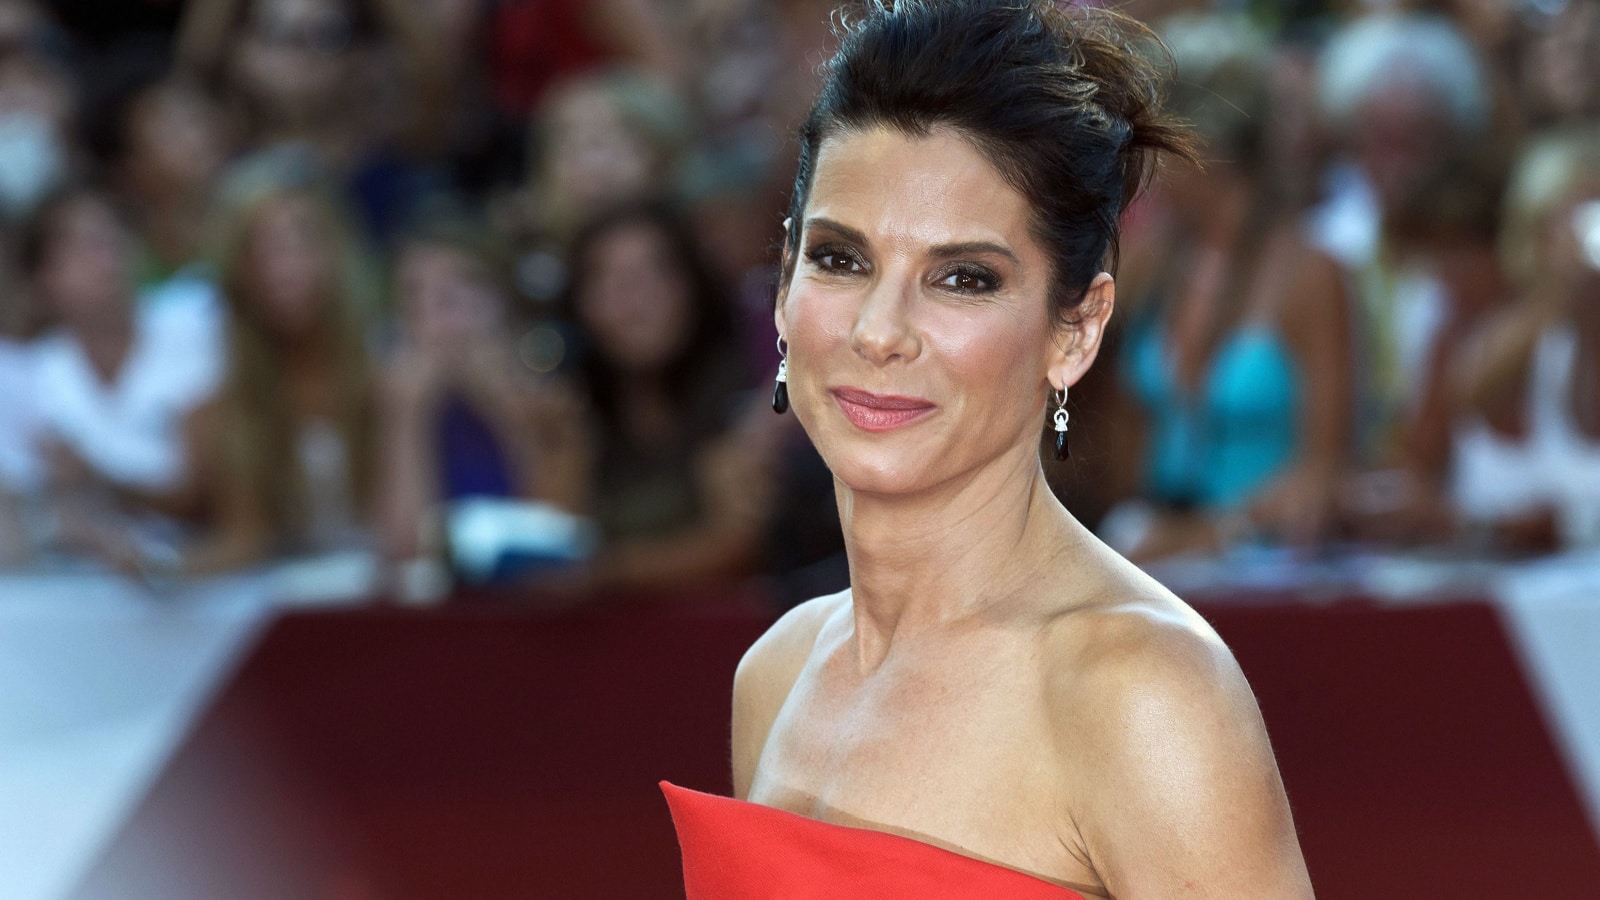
(176, 140)
(636, 300)
(448, 300)
(84, 270)
(921, 342)
(294, 53)
(287, 262)
(595, 158)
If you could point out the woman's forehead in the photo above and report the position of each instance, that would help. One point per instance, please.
(917, 190)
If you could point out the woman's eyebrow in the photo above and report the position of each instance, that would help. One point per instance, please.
(853, 235)
(972, 248)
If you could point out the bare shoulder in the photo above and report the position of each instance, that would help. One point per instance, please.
(1146, 646)
(783, 649)
(767, 673)
(1172, 784)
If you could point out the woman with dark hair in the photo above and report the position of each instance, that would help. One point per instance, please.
(999, 705)
(679, 481)
(460, 415)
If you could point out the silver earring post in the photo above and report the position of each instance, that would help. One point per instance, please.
(1061, 418)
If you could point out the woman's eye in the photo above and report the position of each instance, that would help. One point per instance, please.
(968, 281)
(836, 261)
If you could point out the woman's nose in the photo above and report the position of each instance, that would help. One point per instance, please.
(883, 331)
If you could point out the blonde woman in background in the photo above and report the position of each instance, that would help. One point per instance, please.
(285, 458)
(1526, 474)
(598, 139)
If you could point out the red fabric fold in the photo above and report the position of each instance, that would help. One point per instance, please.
(737, 850)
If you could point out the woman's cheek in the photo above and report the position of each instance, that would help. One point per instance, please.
(812, 335)
(818, 323)
(983, 345)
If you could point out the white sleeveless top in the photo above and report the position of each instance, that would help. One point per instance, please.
(1556, 465)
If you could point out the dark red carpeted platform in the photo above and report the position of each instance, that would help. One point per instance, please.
(484, 753)
(1414, 753)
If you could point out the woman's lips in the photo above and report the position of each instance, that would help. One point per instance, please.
(879, 412)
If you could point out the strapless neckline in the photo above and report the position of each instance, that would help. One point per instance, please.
(735, 849)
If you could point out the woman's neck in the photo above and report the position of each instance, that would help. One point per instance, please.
(924, 562)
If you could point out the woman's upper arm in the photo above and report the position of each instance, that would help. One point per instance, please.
(1175, 789)
(1318, 319)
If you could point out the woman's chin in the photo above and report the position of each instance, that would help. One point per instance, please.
(880, 470)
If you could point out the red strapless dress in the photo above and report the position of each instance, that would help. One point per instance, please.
(737, 850)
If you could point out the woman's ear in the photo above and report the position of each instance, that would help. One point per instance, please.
(785, 272)
(1077, 342)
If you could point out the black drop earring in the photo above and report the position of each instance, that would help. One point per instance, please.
(1061, 426)
(780, 389)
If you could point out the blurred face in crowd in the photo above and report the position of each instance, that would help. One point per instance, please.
(917, 316)
(175, 140)
(449, 302)
(1401, 132)
(595, 157)
(36, 103)
(287, 263)
(294, 53)
(1572, 243)
(83, 271)
(636, 301)
(1563, 63)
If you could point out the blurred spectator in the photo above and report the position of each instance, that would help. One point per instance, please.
(1448, 222)
(683, 450)
(37, 112)
(462, 415)
(172, 144)
(362, 85)
(1399, 91)
(604, 139)
(115, 377)
(1527, 444)
(1237, 352)
(599, 140)
(286, 449)
(1560, 75)
(1411, 215)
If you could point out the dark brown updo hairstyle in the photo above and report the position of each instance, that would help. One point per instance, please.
(1063, 101)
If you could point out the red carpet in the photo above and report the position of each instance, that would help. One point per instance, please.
(1413, 752)
(495, 753)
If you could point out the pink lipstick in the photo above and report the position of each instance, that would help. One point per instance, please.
(880, 412)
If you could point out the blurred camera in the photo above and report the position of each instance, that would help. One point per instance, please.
(1586, 228)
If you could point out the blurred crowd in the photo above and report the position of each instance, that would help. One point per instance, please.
(287, 277)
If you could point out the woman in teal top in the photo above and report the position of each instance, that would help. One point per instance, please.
(1214, 446)
(1238, 360)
